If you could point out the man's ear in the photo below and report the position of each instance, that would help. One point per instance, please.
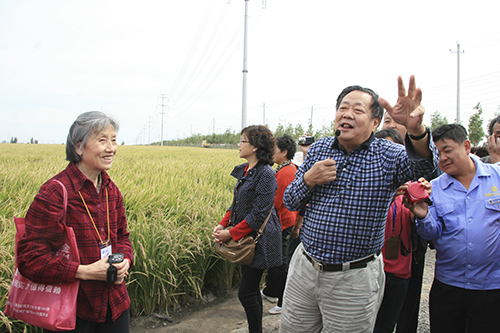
(467, 146)
(376, 124)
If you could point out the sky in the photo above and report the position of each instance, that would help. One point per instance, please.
(177, 65)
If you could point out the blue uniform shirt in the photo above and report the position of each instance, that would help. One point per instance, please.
(465, 227)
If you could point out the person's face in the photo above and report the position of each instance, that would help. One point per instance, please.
(279, 156)
(390, 123)
(496, 131)
(97, 155)
(354, 119)
(453, 156)
(246, 150)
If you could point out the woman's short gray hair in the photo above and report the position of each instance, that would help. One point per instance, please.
(88, 123)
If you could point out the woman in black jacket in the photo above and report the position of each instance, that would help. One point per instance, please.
(253, 201)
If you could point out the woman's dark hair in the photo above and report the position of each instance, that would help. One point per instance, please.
(377, 109)
(391, 133)
(480, 151)
(492, 123)
(286, 142)
(262, 138)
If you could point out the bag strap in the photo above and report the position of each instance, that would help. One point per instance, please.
(65, 198)
(264, 224)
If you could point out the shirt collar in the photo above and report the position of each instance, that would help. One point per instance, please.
(78, 178)
(365, 145)
(481, 171)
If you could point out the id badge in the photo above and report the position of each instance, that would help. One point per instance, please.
(392, 248)
(105, 250)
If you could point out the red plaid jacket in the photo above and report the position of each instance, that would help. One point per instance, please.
(44, 236)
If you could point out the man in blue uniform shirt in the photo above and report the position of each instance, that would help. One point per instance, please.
(336, 276)
(464, 224)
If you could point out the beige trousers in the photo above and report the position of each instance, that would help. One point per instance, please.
(344, 301)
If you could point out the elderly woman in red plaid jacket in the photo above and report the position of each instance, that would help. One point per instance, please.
(95, 212)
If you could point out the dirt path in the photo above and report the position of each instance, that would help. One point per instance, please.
(227, 315)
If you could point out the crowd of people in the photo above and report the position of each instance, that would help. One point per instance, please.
(342, 246)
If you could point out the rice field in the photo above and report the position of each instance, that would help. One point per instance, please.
(173, 197)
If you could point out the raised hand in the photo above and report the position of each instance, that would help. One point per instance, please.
(407, 111)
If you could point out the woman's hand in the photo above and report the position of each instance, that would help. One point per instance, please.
(122, 270)
(220, 235)
(296, 227)
(96, 271)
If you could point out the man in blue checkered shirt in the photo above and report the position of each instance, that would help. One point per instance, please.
(336, 277)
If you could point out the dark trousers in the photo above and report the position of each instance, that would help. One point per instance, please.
(394, 297)
(250, 298)
(120, 325)
(276, 276)
(408, 317)
(454, 309)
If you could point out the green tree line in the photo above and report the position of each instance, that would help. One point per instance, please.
(231, 138)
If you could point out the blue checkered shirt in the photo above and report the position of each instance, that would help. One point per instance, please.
(345, 218)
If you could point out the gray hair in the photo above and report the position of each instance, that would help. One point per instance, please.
(88, 123)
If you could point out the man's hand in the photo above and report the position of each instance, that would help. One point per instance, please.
(494, 148)
(419, 209)
(321, 173)
(408, 111)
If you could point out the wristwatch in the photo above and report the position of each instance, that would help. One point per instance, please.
(420, 137)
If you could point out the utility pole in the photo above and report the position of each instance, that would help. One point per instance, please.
(264, 114)
(149, 132)
(458, 80)
(214, 127)
(162, 113)
(245, 71)
(312, 109)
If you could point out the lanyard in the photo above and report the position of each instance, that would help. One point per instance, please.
(91, 219)
(394, 210)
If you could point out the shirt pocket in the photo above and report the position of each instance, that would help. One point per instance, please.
(450, 220)
(492, 210)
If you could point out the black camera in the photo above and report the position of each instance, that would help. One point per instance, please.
(306, 140)
(115, 258)
(112, 273)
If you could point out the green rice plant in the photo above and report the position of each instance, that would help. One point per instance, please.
(173, 197)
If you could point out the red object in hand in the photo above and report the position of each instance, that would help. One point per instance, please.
(416, 192)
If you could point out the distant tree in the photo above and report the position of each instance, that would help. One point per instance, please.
(325, 131)
(280, 130)
(13, 140)
(289, 129)
(298, 131)
(310, 129)
(437, 120)
(123, 143)
(476, 131)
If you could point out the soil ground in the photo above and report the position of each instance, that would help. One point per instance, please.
(224, 313)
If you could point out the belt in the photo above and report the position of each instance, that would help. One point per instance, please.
(360, 263)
